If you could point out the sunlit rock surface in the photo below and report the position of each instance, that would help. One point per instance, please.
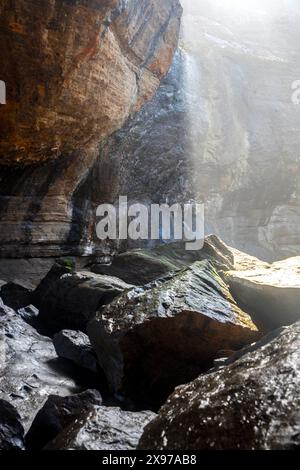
(76, 347)
(141, 266)
(155, 337)
(222, 128)
(270, 293)
(251, 404)
(103, 429)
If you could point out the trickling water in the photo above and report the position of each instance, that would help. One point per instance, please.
(241, 59)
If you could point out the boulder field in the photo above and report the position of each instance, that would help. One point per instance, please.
(182, 345)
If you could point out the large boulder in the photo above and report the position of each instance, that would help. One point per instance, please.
(151, 339)
(103, 429)
(76, 347)
(58, 413)
(74, 72)
(251, 404)
(11, 429)
(29, 369)
(141, 266)
(213, 132)
(68, 299)
(15, 296)
(270, 293)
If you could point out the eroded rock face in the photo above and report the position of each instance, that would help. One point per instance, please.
(222, 128)
(74, 71)
(153, 338)
(270, 293)
(11, 429)
(103, 429)
(58, 413)
(29, 370)
(251, 404)
(71, 299)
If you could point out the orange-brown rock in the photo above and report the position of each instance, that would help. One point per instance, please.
(75, 70)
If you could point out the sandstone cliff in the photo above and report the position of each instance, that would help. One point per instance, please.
(74, 72)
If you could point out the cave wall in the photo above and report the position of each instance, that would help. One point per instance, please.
(222, 129)
(75, 71)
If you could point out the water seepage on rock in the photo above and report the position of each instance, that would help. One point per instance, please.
(151, 339)
(11, 429)
(70, 300)
(253, 403)
(271, 294)
(58, 413)
(141, 266)
(76, 347)
(29, 369)
(76, 70)
(103, 429)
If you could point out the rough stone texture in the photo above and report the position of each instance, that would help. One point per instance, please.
(29, 369)
(142, 266)
(251, 404)
(70, 300)
(29, 313)
(103, 429)
(58, 413)
(15, 296)
(11, 429)
(76, 347)
(74, 72)
(270, 294)
(151, 339)
(222, 128)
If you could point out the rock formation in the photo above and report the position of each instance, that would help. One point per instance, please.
(251, 404)
(57, 414)
(74, 73)
(29, 370)
(221, 129)
(146, 340)
(152, 338)
(271, 293)
(11, 429)
(69, 300)
(103, 429)
(76, 347)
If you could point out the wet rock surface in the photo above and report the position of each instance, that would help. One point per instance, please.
(75, 71)
(68, 300)
(214, 133)
(76, 347)
(270, 293)
(103, 429)
(250, 404)
(11, 429)
(141, 266)
(57, 414)
(151, 339)
(29, 368)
